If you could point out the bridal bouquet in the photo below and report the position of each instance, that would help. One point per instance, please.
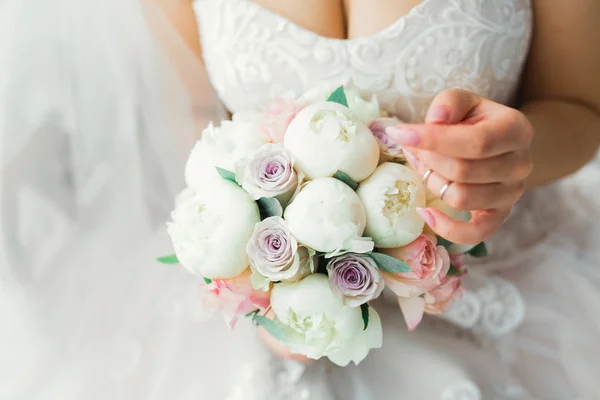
(298, 217)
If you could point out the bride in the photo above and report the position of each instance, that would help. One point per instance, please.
(101, 101)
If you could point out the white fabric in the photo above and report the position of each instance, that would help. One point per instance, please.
(253, 55)
(96, 123)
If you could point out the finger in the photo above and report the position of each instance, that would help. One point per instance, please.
(466, 196)
(451, 106)
(507, 167)
(487, 138)
(482, 225)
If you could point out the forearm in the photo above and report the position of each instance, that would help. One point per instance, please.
(567, 136)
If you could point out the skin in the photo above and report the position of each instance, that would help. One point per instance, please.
(486, 149)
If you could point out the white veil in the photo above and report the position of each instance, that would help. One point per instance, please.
(100, 102)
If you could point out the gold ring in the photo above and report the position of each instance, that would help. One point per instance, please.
(444, 190)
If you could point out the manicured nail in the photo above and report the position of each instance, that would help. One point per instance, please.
(405, 137)
(414, 161)
(427, 216)
(438, 114)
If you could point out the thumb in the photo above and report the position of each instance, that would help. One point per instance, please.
(451, 106)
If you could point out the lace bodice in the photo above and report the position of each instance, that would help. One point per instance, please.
(253, 55)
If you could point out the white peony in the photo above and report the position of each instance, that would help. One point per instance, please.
(458, 215)
(326, 137)
(224, 147)
(358, 348)
(318, 324)
(211, 228)
(365, 110)
(327, 216)
(391, 196)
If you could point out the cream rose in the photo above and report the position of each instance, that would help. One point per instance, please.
(269, 172)
(391, 196)
(327, 216)
(210, 229)
(318, 324)
(275, 255)
(325, 138)
(355, 278)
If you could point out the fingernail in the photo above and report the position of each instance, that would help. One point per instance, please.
(438, 114)
(405, 137)
(414, 161)
(427, 216)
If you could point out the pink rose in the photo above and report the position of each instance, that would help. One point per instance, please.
(234, 297)
(458, 261)
(278, 116)
(435, 301)
(438, 300)
(429, 264)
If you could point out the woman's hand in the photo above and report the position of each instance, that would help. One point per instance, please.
(482, 149)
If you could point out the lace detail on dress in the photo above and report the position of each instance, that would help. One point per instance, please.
(253, 55)
(274, 378)
(496, 308)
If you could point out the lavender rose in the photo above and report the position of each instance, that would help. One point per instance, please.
(355, 278)
(275, 256)
(268, 173)
(389, 148)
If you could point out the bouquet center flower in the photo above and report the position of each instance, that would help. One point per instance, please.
(398, 199)
(313, 327)
(334, 123)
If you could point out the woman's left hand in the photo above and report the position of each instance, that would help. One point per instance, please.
(478, 146)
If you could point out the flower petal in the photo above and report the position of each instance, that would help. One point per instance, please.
(412, 309)
(357, 349)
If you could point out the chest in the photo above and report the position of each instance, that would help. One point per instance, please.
(254, 53)
(340, 19)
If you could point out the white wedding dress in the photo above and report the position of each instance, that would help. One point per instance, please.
(85, 312)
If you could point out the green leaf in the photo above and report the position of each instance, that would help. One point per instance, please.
(172, 259)
(338, 96)
(253, 313)
(478, 251)
(454, 271)
(364, 308)
(270, 326)
(443, 242)
(227, 175)
(269, 207)
(389, 264)
(207, 281)
(342, 176)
